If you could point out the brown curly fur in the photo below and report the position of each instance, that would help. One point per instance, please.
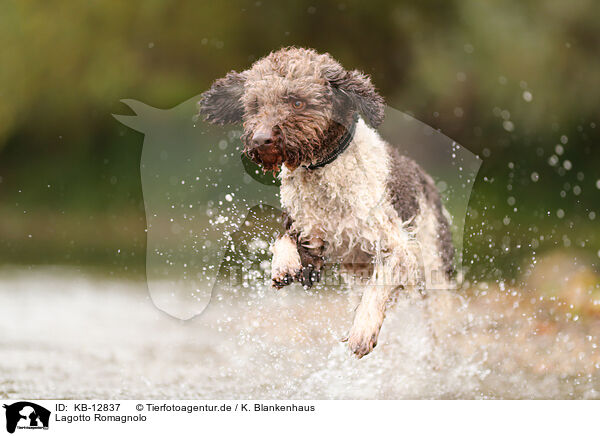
(261, 97)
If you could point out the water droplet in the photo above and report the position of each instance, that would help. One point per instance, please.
(508, 126)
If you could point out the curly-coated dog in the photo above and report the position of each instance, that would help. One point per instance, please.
(347, 195)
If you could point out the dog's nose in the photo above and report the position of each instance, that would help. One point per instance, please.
(260, 138)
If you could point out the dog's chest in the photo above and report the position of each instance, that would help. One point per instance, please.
(322, 203)
(337, 203)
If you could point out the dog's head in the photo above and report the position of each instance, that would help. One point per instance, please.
(295, 104)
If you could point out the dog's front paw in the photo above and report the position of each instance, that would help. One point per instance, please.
(361, 342)
(280, 280)
(286, 265)
(364, 332)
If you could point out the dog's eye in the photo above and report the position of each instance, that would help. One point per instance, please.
(298, 104)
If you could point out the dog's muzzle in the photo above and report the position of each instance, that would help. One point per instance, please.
(264, 148)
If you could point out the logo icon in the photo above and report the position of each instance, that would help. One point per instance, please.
(26, 415)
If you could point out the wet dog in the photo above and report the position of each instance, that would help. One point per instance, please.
(347, 195)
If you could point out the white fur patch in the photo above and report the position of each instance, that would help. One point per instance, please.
(286, 260)
(344, 203)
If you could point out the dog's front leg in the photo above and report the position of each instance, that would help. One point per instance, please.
(286, 265)
(368, 319)
(311, 255)
(370, 312)
(296, 257)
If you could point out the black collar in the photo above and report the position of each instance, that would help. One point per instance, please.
(341, 147)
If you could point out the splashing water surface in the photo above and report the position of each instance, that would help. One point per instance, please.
(66, 335)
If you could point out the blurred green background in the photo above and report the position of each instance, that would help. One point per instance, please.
(516, 82)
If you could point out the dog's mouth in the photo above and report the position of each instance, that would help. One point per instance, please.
(269, 157)
(270, 154)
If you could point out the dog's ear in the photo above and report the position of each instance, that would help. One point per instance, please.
(222, 103)
(357, 87)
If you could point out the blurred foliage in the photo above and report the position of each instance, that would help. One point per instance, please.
(514, 81)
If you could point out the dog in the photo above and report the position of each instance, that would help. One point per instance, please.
(347, 195)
